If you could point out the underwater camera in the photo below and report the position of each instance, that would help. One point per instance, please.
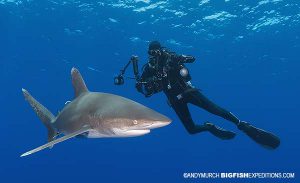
(119, 80)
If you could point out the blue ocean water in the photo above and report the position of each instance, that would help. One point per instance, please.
(247, 61)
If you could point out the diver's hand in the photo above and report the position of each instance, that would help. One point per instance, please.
(186, 59)
(148, 95)
(139, 87)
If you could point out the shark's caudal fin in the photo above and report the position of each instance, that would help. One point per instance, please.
(52, 143)
(78, 82)
(43, 113)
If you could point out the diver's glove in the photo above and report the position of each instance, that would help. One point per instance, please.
(139, 87)
(262, 137)
(219, 132)
(186, 59)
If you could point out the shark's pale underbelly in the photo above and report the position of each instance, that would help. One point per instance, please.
(116, 133)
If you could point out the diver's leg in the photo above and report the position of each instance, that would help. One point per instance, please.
(260, 136)
(198, 99)
(182, 111)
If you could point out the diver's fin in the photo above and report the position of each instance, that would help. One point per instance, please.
(78, 82)
(262, 137)
(219, 132)
(43, 113)
(50, 144)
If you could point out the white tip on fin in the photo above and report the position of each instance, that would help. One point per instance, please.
(50, 144)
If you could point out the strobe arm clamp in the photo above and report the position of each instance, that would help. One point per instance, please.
(119, 80)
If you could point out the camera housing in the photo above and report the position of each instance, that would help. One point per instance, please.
(119, 80)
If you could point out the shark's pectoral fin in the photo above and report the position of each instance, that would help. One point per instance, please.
(50, 144)
(43, 113)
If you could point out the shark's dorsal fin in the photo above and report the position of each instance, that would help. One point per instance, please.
(78, 82)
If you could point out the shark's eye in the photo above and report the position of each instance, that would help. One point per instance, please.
(135, 122)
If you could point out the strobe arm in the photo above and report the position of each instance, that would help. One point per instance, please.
(124, 69)
(119, 80)
(134, 59)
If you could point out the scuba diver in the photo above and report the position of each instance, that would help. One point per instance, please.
(166, 71)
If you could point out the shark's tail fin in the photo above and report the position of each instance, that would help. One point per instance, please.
(43, 113)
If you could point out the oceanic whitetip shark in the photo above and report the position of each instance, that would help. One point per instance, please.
(95, 115)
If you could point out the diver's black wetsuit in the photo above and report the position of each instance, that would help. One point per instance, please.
(166, 72)
(175, 81)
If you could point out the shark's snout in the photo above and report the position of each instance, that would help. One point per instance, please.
(152, 121)
(158, 120)
(158, 124)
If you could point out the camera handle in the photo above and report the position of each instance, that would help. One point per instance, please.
(134, 59)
